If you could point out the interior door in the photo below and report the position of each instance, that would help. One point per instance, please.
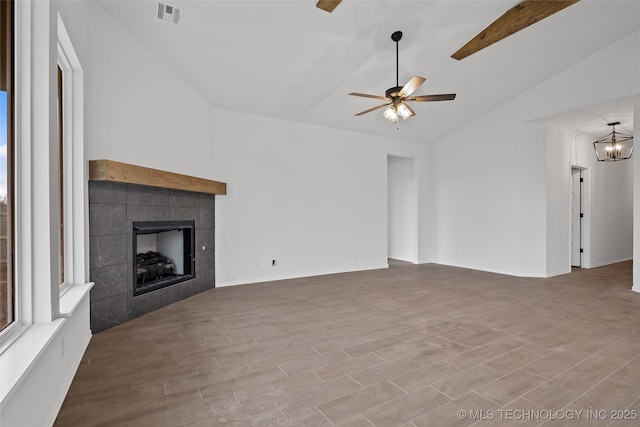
(576, 217)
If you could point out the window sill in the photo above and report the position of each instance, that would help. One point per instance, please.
(22, 355)
(72, 297)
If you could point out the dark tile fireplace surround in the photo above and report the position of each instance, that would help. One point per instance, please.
(113, 207)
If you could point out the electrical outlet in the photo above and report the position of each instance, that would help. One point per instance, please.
(273, 263)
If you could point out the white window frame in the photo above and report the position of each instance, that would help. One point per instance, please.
(75, 188)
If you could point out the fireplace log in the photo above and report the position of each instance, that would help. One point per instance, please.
(151, 266)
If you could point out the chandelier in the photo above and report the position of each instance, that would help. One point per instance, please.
(615, 146)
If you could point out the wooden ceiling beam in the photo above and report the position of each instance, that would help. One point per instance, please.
(515, 19)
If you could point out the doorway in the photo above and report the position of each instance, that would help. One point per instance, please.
(402, 209)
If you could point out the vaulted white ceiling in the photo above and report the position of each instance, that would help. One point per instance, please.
(290, 60)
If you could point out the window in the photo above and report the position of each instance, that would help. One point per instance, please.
(7, 300)
(42, 232)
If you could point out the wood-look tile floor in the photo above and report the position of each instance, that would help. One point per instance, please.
(411, 345)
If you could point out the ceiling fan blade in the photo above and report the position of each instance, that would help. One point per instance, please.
(515, 19)
(372, 109)
(430, 98)
(411, 86)
(328, 5)
(366, 95)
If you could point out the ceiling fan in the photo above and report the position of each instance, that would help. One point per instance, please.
(397, 97)
(522, 15)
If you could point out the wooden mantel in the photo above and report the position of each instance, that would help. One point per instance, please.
(108, 170)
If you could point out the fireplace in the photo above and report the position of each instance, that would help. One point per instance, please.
(163, 254)
(130, 208)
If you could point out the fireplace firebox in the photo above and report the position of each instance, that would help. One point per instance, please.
(163, 254)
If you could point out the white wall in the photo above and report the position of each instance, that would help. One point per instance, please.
(492, 201)
(559, 144)
(489, 196)
(137, 110)
(312, 198)
(402, 210)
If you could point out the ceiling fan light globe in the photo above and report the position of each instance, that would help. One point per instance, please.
(391, 114)
(403, 111)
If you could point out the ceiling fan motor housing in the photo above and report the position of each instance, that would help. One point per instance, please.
(393, 92)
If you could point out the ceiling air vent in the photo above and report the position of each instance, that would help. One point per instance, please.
(169, 13)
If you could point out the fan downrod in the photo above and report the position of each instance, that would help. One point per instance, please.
(396, 37)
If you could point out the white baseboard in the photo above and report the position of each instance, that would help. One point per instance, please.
(296, 276)
(412, 261)
(615, 261)
(496, 271)
(558, 273)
